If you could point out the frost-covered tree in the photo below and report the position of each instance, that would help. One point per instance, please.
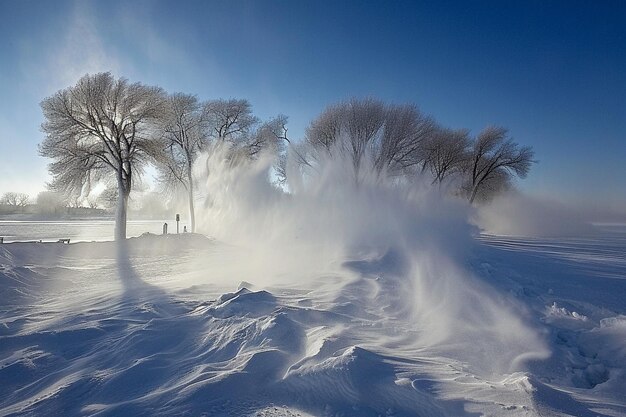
(349, 128)
(405, 132)
(324, 132)
(15, 199)
(493, 160)
(232, 125)
(269, 136)
(446, 153)
(229, 120)
(185, 131)
(391, 135)
(101, 129)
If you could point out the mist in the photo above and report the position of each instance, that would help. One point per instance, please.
(516, 214)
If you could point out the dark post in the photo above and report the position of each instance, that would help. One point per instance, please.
(177, 221)
(164, 228)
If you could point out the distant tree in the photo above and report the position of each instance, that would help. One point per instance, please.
(493, 160)
(101, 129)
(23, 199)
(185, 132)
(391, 135)
(15, 199)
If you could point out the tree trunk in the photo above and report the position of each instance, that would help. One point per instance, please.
(192, 212)
(121, 211)
(192, 215)
(473, 195)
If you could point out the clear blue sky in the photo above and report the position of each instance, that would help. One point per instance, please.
(553, 72)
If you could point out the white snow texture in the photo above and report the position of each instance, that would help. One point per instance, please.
(343, 297)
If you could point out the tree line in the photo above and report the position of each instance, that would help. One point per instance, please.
(105, 129)
(149, 204)
(48, 204)
(14, 199)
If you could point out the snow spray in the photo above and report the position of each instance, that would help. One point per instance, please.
(408, 238)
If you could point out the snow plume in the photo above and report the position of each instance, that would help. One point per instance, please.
(387, 246)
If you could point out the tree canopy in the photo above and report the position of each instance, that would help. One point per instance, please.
(106, 129)
(100, 129)
(399, 140)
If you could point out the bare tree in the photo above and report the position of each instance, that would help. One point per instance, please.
(392, 135)
(229, 120)
(349, 127)
(185, 132)
(446, 153)
(326, 129)
(406, 131)
(271, 135)
(100, 129)
(493, 160)
(232, 124)
(22, 199)
(364, 121)
(15, 199)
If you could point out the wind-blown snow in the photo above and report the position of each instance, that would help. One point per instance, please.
(516, 214)
(332, 300)
(409, 238)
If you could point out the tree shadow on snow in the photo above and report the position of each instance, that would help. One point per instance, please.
(134, 287)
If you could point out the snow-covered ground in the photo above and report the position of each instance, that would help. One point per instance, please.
(176, 326)
(347, 296)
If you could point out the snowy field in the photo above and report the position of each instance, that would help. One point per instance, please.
(177, 326)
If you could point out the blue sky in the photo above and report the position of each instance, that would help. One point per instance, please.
(553, 72)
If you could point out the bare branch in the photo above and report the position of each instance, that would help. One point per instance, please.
(101, 129)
